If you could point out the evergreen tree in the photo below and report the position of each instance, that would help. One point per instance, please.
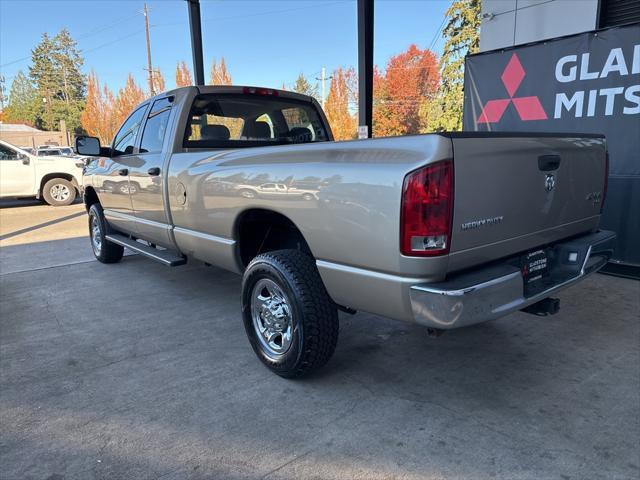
(43, 75)
(22, 101)
(303, 86)
(55, 72)
(462, 38)
(68, 63)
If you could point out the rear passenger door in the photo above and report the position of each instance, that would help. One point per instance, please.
(147, 176)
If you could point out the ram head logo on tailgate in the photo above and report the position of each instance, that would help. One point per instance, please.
(549, 182)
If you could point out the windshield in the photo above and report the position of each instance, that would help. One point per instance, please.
(43, 153)
(232, 120)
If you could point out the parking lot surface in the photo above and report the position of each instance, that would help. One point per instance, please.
(135, 370)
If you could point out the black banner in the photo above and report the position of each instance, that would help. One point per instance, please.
(587, 83)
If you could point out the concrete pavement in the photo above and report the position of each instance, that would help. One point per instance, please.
(135, 370)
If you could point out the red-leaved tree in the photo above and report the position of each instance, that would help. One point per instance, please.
(410, 80)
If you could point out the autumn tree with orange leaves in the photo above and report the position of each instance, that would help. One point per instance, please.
(97, 118)
(219, 74)
(183, 75)
(409, 81)
(403, 93)
(338, 105)
(158, 82)
(128, 98)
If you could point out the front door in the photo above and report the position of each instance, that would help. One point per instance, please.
(147, 177)
(17, 173)
(112, 179)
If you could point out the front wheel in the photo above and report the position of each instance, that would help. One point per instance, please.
(291, 322)
(104, 250)
(58, 192)
(247, 194)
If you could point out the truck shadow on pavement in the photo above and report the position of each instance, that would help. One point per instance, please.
(135, 370)
(42, 225)
(28, 202)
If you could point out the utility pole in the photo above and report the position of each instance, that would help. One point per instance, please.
(149, 67)
(323, 78)
(2, 90)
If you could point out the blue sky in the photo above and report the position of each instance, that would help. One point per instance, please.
(264, 42)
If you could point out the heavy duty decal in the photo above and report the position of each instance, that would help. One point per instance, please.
(481, 223)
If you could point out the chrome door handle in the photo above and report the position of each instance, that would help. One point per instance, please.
(123, 172)
(154, 171)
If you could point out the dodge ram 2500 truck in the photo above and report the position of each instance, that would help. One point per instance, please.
(445, 230)
(56, 180)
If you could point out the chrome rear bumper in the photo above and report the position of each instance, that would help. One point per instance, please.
(497, 290)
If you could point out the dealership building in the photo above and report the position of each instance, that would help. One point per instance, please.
(567, 66)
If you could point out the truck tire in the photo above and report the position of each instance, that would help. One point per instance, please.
(291, 322)
(104, 250)
(59, 192)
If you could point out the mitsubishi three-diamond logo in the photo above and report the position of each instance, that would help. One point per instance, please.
(528, 108)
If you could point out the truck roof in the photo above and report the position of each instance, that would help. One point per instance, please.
(243, 89)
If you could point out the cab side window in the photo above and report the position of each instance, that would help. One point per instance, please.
(125, 140)
(156, 126)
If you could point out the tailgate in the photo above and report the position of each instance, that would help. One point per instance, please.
(514, 192)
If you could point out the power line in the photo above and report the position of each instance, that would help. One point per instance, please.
(119, 21)
(138, 32)
(257, 14)
(79, 37)
(435, 36)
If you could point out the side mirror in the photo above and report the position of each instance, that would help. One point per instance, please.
(25, 159)
(88, 146)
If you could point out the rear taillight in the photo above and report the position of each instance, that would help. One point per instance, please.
(606, 181)
(427, 210)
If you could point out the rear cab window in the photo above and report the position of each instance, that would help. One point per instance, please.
(243, 120)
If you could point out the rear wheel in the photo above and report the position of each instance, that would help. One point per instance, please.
(104, 250)
(291, 322)
(58, 192)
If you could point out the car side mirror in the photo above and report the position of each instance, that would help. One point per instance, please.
(25, 159)
(88, 146)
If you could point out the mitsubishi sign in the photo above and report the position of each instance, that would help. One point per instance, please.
(586, 83)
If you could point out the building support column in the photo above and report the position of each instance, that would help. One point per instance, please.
(365, 68)
(196, 41)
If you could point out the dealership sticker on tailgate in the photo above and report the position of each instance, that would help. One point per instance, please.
(534, 266)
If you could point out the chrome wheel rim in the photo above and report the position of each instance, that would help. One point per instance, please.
(60, 192)
(96, 239)
(272, 317)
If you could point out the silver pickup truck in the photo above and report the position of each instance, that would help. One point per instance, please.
(445, 230)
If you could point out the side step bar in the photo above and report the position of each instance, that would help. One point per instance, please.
(166, 257)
